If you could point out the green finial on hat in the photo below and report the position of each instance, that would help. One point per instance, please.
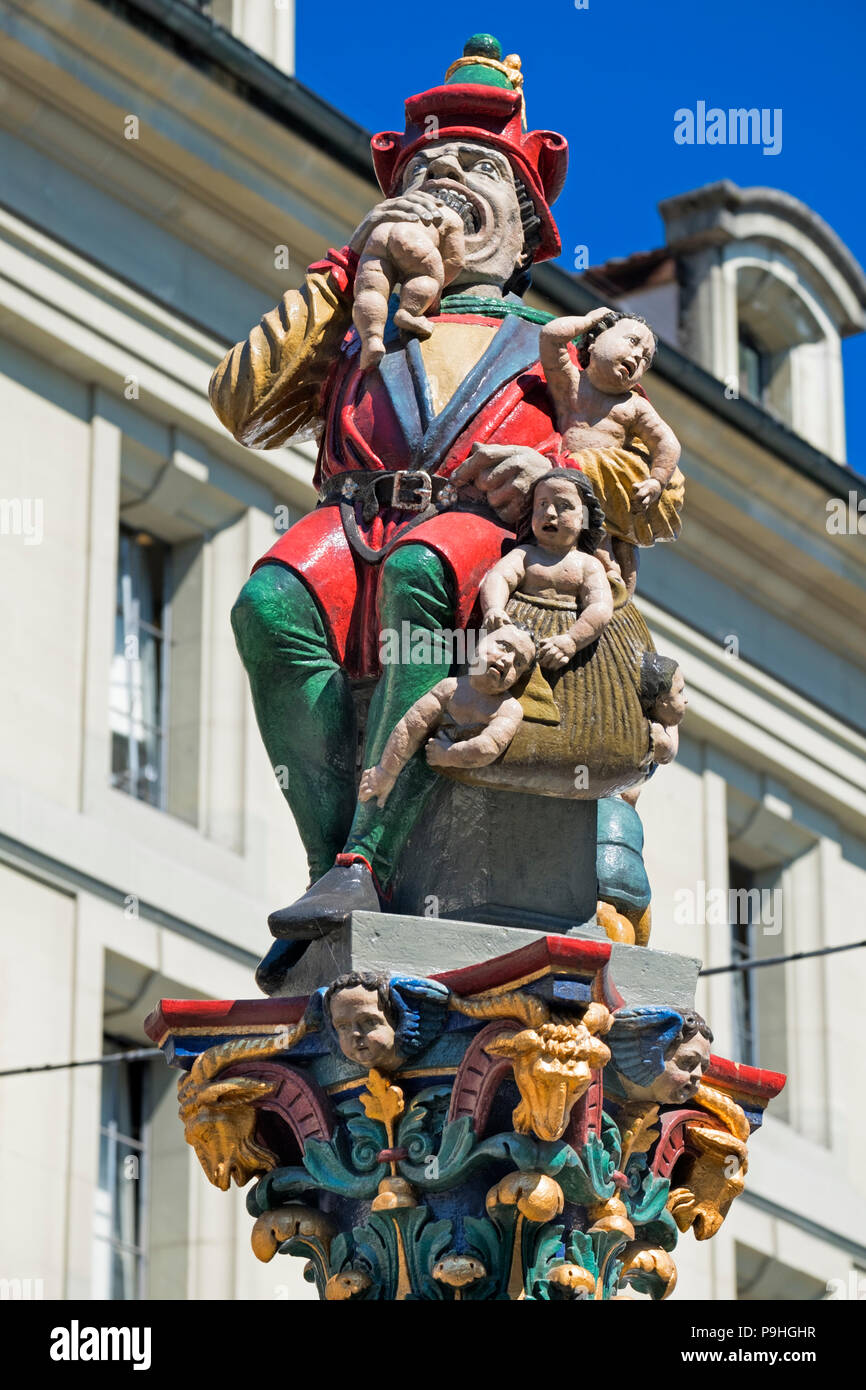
(482, 65)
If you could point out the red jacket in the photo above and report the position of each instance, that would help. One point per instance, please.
(384, 420)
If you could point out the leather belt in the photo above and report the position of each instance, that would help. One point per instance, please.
(423, 495)
(405, 489)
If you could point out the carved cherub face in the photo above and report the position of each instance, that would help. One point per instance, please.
(363, 1031)
(620, 355)
(670, 706)
(685, 1065)
(501, 658)
(558, 514)
(478, 183)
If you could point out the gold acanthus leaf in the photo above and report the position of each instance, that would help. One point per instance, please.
(383, 1100)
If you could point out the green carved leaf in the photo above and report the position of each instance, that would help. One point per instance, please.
(589, 1178)
(542, 1249)
(485, 1240)
(492, 1240)
(581, 1251)
(422, 1124)
(450, 1165)
(663, 1231)
(611, 1277)
(329, 1169)
(368, 1136)
(341, 1252)
(376, 1253)
(646, 1194)
(458, 1141)
(424, 1241)
(311, 1249)
(278, 1187)
(611, 1138)
(346, 1256)
(646, 1282)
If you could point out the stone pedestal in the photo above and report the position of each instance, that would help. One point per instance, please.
(426, 946)
(497, 856)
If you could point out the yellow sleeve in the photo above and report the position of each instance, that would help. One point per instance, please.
(268, 386)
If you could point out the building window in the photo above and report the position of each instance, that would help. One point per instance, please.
(139, 668)
(756, 910)
(763, 1278)
(119, 1264)
(741, 882)
(753, 367)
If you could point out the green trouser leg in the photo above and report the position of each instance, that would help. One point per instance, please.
(303, 704)
(415, 588)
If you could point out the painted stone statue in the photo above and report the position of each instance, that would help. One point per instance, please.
(426, 461)
(483, 1109)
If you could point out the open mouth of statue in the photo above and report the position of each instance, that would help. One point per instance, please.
(466, 208)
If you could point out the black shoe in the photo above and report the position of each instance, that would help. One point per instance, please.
(328, 904)
(273, 969)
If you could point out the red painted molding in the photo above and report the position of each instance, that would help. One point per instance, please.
(549, 954)
(213, 1014)
(553, 953)
(564, 953)
(748, 1081)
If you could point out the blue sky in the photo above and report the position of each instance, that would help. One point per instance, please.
(610, 78)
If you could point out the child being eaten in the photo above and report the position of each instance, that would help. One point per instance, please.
(422, 259)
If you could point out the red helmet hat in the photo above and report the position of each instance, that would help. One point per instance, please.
(482, 101)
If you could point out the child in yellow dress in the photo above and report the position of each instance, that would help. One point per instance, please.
(623, 446)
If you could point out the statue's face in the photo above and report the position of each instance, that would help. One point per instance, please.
(670, 708)
(557, 514)
(685, 1065)
(363, 1032)
(620, 355)
(501, 659)
(478, 182)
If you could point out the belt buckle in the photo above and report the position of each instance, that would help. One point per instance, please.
(422, 489)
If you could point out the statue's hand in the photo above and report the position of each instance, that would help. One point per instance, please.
(594, 316)
(414, 206)
(496, 617)
(644, 494)
(437, 751)
(505, 473)
(556, 652)
(376, 785)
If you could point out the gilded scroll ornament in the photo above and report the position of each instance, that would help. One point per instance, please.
(273, 1228)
